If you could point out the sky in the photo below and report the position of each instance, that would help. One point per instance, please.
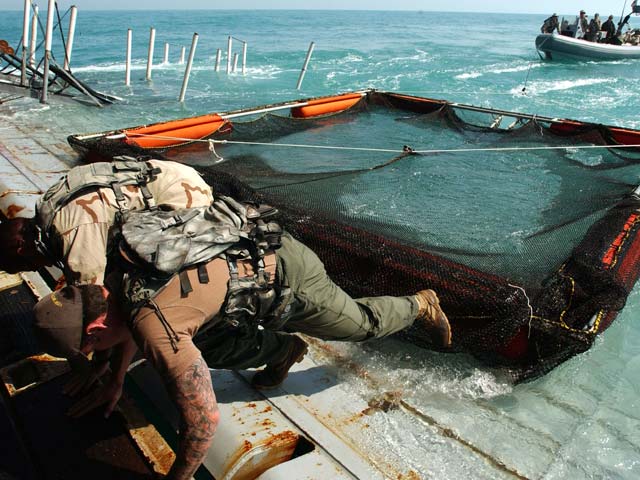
(501, 6)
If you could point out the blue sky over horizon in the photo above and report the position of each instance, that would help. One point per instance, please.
(498, 6)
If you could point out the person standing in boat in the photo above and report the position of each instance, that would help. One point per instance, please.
(550, 24)
(609, 27)
(594, 28)
(581, 25)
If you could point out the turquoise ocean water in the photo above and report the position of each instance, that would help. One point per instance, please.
(580, 421)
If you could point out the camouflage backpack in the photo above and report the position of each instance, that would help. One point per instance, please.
(157, 245)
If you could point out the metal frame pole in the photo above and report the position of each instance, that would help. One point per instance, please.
(306, 63)
(25, 41)
(34, 36)
(187, 71)
(127, 65)
(152, 40)
(72, 32)
(47, 50)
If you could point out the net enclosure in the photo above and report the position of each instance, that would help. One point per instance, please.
(526, 226)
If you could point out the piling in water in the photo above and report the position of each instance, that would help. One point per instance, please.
(306, 63)
(152, 41)
(127, 66)
(244, 57)
(182, 50)
(166, 53)
(187, 70)
(218, 56)
(229, 44)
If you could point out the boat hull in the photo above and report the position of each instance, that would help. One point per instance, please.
(556, 47)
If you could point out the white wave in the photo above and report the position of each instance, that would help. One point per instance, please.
(520, 68)
(464, 76)
(114, 67)
(268, 71)
(420, 56)
(544, 87)
(349, 58)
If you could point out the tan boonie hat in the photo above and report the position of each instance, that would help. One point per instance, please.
(58, 322)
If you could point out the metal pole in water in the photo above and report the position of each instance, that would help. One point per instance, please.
(306, 63)
(152, 41)
(187, 70)
(47, 50)
(244, 57)
(229, 43)
(127, 65)
(235, 62)
(182, 55)
(72, 32)
(34, 37)
(218, 56)
(25, 41)
(166, 53)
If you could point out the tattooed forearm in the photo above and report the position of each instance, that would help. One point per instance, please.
(193, 393)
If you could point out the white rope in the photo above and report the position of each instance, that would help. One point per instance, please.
(212, 149)
(389, 150)
(528, 305)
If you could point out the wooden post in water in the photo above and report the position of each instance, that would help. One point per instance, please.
(182, 55)
(71, 34)
(127, 64)
(34, 37)
(229, 44)
(306, 63)
(244, 57)
(187, 70)
(218, 56)
(47, 50)
(25, 42)
(152, 41)
(166, 53)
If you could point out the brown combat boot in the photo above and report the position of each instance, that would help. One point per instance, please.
(433, 318)
(274, 374)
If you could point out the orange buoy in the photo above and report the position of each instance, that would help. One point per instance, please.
(168, 134)
(326, 105)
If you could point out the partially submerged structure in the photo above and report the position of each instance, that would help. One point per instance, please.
(19, 67)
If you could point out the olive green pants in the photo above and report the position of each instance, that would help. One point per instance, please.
(318, 308)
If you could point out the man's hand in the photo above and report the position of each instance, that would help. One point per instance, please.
(108, 394)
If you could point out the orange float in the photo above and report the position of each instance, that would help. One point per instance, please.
(168, 134)
(326, 105)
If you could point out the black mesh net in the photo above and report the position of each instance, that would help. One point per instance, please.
(526, 229)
